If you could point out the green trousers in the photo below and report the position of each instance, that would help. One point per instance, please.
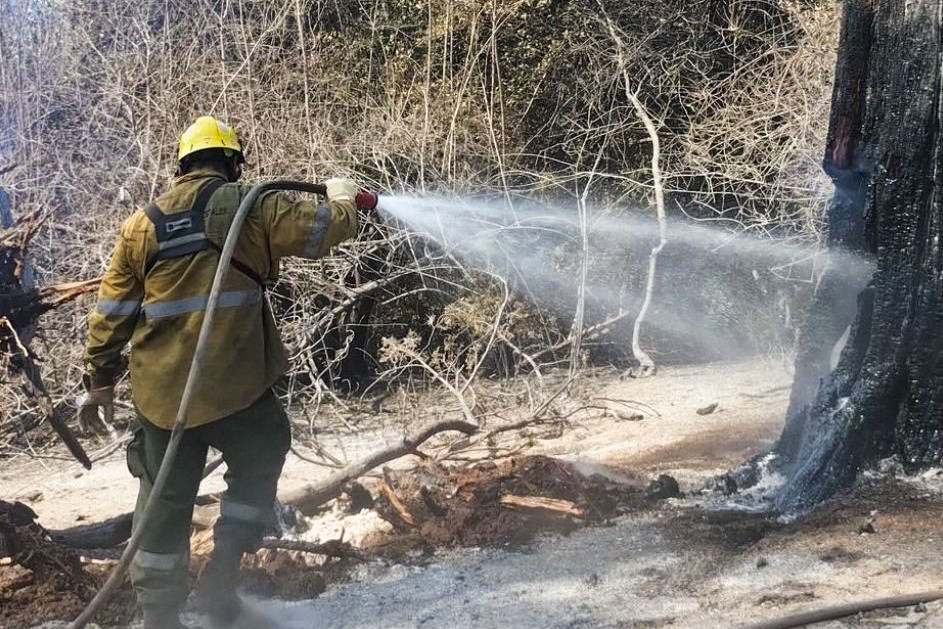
(253, 442)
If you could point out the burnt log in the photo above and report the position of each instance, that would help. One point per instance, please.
(107, 534)
(885, 397)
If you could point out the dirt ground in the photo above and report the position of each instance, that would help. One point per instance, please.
(700, 560)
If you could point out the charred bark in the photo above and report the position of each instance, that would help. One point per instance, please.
(886, 395)
(106, 534)
(833, 303)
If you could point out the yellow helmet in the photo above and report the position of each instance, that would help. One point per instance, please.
(207, 132)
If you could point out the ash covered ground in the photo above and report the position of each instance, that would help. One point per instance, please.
(698, 560)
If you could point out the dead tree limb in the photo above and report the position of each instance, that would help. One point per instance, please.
(312, 496)
(53, 296)
(576, 349)
(589, 334)
(332, 548)
(21, 305)
(116, 530)
(815, 616)
(107, 534)
(646, 364)
(417, 359)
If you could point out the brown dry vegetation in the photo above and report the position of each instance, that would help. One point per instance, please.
(510, 98)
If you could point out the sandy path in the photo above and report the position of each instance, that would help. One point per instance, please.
(676, 440)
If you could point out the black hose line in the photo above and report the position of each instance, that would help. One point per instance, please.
(116, 578)
(825, 614)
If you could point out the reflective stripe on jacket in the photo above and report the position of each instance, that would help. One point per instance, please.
(161, 315)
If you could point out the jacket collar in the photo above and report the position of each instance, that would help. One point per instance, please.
(200, 173)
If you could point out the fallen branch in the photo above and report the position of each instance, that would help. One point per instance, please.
(21, 304)
(54, 296)
(25, 363)
(114, 531)
(107, 534)
(402, 514)
(332, 548)
(312, 496)
(591, 333)
(467, 445)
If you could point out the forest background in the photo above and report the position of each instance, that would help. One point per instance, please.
(512, 101)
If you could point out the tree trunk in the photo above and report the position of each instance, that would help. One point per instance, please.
(356, 368)
(886, 395)
(833, 302)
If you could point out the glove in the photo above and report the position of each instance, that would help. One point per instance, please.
(340, 189)
(89, 420)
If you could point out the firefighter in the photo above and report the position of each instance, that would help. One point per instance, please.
(153, 296)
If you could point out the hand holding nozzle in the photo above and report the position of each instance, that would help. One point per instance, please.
(346, 190)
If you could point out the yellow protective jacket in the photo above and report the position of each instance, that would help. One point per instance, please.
(160, 314)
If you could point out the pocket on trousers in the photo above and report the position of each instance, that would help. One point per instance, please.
(135, 454)
(284, 430)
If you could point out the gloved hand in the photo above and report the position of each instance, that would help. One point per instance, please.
(90, 422)
(340, 189)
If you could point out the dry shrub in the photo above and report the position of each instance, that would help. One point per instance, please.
(513, 98)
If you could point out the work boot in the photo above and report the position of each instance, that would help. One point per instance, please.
(162, 618)
(216, 594)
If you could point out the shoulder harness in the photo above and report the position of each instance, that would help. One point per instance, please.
(184, 233)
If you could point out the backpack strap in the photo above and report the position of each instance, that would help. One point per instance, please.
(184, 233)
(181, 233)
(240, 266)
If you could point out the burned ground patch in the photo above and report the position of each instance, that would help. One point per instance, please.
(45, 580)
(498, 504)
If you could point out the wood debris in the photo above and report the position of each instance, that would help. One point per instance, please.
(551, 505)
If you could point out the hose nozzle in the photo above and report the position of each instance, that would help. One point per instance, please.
(367, 200)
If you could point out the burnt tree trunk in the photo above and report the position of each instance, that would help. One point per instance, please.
(833, 303)
(886, 395)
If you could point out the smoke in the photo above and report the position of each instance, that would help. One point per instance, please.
(719, 292)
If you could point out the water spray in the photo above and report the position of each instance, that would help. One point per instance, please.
(526, 244)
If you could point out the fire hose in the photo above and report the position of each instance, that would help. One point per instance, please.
(804, 619)
(365, 200)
